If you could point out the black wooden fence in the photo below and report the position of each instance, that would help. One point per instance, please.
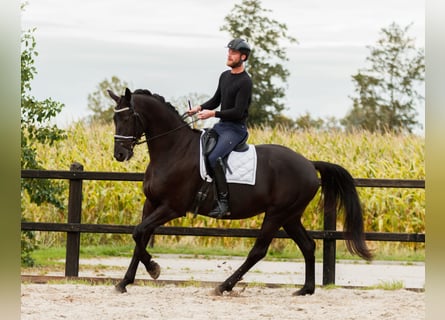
(74, 227)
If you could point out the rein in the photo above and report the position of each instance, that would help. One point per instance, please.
(183, 117)
(147, 139)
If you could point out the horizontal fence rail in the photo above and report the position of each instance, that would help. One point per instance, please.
(136, 176)
(74, 227)
(212, 232)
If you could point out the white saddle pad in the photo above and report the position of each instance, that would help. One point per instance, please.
(242, 165)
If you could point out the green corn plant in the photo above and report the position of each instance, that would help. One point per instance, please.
(363, 154)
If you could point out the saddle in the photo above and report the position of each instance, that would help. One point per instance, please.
(210, 138)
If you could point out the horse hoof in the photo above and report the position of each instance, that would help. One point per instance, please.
(303, 291)
(120, 288)
(154, 270)
(218, 291)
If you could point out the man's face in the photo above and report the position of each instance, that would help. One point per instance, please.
(234, 58)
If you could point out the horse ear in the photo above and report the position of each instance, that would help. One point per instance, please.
(113, 95)
(127, 94)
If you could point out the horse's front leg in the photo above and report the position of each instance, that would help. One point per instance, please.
(132, 268)
(141, 235)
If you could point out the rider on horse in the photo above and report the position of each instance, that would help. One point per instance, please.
(234, 94)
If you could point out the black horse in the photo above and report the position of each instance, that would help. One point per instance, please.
(285, 184)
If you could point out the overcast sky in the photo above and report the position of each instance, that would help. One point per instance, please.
(175, 47)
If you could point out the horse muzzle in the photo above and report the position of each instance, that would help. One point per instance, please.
(123, 150)
(123, 155)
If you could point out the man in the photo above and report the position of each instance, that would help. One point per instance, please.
(234, 94)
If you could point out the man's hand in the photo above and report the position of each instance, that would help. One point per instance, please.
(194, 110)
(205, 114)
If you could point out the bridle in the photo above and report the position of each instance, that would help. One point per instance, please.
(134, 140)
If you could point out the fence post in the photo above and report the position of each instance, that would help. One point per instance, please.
(74, 216)
(329, 245)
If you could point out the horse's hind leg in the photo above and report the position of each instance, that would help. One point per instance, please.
(298, 233)
(258, 252)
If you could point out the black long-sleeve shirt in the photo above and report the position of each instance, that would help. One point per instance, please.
(234, 94)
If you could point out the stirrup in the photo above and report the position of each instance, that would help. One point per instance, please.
(218, 211)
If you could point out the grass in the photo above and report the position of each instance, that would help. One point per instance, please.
(390, 285)
(330, 286)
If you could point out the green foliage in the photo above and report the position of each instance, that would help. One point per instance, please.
(36, 127)
(387, 91)
(364, 154)
(28, 245)
(36, 130)
(100, 102)
(250, 21)
(307, 122)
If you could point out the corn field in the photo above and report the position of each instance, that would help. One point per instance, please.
(363, 154)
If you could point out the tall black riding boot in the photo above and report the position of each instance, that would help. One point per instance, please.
(222, 202)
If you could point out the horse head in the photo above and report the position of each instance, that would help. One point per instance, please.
(127, 124)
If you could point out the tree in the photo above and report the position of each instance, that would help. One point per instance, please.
(36, 128)
(249, 20)
(100, 102)
(182, 104)
(388, 91)
(306, 122)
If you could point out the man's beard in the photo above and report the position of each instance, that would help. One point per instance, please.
(235, 64)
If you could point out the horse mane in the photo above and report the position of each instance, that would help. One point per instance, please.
(157, 97)
(143, 91)
(161, 99)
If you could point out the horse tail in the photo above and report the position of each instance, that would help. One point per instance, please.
(338, 189)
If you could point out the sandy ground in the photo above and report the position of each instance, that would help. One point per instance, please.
(78, 301)
(217, 269)
(151, 300)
